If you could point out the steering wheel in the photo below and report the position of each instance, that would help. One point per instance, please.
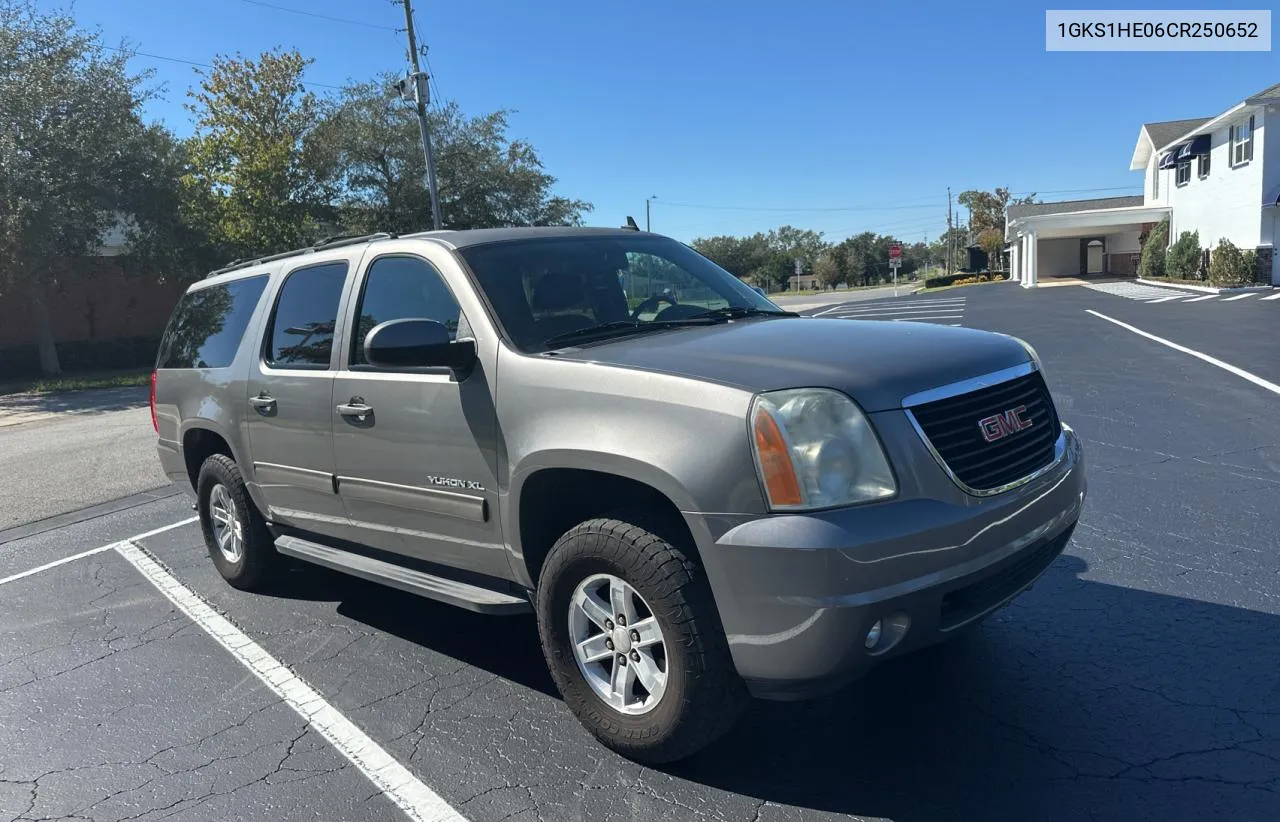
(652, 303)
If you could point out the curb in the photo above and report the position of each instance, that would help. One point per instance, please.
(1208, 289)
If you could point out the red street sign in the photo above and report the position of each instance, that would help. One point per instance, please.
(895, 251)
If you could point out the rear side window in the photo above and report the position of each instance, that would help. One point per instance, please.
(301, 333)
(207, 324)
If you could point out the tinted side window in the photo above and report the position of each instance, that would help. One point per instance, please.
(306, 311)
(399, 288)
(207, 324)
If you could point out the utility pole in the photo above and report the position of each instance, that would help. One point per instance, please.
(949, 237)
(422, 93)
(646, 210)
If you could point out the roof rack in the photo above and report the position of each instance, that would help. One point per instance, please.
(335, 241)
(339, 240)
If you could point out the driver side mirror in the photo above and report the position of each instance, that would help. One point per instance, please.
(418, 343)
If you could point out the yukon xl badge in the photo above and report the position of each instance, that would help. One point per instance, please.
(452, 482)
(998, 426)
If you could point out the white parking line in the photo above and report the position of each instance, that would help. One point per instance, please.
(889, 305)
(93, 551)
(951, 310)
(927, 317)
(1272, 297)
(395, 780)
(1163, 299)
(57, 562)
(1239, 372)
(1202, 299)
(1237, 297)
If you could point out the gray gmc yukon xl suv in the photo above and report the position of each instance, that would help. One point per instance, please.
(700, 496)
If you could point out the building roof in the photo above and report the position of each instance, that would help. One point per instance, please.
(1017, 212)
(1162, 134)
(1154, 136)
(1271, 94)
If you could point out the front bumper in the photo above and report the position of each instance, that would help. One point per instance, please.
(797, 594)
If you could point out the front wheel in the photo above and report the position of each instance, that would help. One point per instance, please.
(634, 643)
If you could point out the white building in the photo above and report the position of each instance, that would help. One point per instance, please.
(1218, 175)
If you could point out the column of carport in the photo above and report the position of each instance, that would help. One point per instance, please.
(1015, 261)
(1029, 259)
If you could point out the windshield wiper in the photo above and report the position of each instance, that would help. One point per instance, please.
(621, 327)
(734, 312)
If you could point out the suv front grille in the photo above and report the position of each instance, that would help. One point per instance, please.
(979, 442)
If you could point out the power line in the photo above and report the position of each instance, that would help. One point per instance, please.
(134, 53)
(305, 13)
(887, 207)
(436, 97)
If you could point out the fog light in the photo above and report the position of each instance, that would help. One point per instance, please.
(873, 636)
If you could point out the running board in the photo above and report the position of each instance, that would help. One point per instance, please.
(471, 597)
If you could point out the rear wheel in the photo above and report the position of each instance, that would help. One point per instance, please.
(633, 640)
(235, 534)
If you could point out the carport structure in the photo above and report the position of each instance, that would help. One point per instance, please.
(1078, 238)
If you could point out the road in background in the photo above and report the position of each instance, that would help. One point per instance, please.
(62, 452)
(805, 302)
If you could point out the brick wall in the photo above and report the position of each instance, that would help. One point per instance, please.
(95, 301)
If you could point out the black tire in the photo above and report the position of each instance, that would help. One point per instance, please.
(704, 696)
(258, 560)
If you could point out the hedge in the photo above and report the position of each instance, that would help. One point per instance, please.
(951, 279)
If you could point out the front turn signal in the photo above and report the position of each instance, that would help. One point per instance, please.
(776, 467)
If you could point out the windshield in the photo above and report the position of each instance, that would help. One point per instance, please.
(544, 289)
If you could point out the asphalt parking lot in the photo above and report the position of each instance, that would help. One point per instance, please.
(1136, 680)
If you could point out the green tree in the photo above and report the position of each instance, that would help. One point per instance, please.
(740, 256)
(1152, 262)
(915, 258)
(72, 144)
(1182, 261)
(828, 270)
(797, 244)
(369, 146)
(991, 240)
(987, 210)
(857, 252)
(253, 179)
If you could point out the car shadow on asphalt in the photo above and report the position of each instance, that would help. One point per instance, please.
(1080, 700)
(505, 646)
(1086, 701)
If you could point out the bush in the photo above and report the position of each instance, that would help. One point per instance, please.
(1182, 262)
(1152, 263)
(1230, 266)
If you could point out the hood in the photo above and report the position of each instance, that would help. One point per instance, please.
(877, 363)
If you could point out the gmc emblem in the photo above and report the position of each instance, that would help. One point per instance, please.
(998, 426)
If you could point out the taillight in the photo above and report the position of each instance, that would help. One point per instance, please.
(155, 423)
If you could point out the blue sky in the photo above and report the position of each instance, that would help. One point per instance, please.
(835, 115)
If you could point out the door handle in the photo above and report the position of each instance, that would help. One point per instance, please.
(355, 408)
(262, 402)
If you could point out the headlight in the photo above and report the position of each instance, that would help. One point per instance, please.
(815, 449)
